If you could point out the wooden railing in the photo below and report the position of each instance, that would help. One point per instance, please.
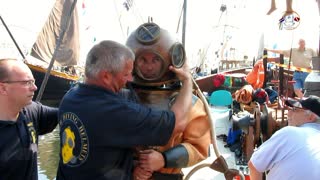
(233, 64)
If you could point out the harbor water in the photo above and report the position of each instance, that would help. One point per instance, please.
(48, 155)
(48, 151)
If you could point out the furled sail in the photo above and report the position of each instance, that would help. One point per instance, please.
(68, 52)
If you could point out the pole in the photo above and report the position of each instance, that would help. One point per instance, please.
(14, 41)
(184, 23)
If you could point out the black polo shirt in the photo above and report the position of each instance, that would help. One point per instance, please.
(18, 158)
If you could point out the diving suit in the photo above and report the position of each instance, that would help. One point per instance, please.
(155, 85)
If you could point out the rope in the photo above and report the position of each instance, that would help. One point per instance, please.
(213, 135)
(294, 67)
(291, 67)
(195, 169)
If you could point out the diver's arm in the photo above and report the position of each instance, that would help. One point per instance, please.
(182, 104)
(193, 148)
(175, 157)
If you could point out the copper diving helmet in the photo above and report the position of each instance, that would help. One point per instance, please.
(155, 51)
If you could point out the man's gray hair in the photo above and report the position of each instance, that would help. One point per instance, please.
(107, 55)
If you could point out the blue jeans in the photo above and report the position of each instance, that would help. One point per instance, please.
(299, 77)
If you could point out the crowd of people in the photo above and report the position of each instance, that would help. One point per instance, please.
(135, 117)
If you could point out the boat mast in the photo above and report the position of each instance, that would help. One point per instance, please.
(61, 35)
(319, 28)
(14, 41)
(184, 23)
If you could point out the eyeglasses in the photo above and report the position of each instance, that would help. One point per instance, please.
(28, 83)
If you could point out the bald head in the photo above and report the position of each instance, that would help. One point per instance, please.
(16, 87)
(9, 67)
(302, 44)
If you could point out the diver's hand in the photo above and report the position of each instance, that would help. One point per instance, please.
(151, 160)
(141, 174)
(182, 73)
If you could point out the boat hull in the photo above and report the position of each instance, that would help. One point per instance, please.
(57, 85)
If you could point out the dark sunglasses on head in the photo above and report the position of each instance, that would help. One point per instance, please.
(294, 108)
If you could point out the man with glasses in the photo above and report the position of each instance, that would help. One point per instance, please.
(292, 152)
(21, 121)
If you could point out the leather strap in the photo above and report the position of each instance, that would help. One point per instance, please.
(176, 157)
